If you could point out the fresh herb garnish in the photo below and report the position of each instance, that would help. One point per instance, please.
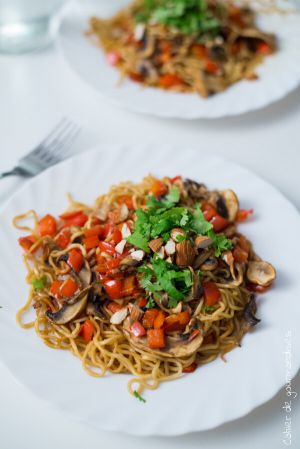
(39, 283)
(220, 242)
(163, 215)
(188, 16)
(150, 304)
(163, 276)
(138, 396)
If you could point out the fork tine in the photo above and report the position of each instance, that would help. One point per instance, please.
(60, 149)
(51, 136)
(55, 138)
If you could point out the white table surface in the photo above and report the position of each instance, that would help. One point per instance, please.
(35, 92)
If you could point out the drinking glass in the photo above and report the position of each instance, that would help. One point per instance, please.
(27, 25)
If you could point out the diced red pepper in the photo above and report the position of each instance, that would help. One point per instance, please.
(149, 317)
(47, 226)
(159, 320)
(158, 188)
(113, 288)
(243, 214)
(63, 238)
(107, 248)
(177, 322)
(111, 264)
(87, 330)
(208, 210)
(255, 288)
(176, 178)
(240, 255)
(137, 329)
(75, 259)
(137, 77)
(114, 307)
(156, 338)
(126, 199)
(74, 218)
(27, 242)
(128, 285)
(98, 231)
(55, 288)
(116, 236)
(219, 223)
(170, 80)
(191, 368)
(142, 302)
(91, 242)
(68, 287)
(212, 67)
(263, 48)
(211, 293)
(199, 50)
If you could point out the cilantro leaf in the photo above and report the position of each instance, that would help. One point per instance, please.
(199, 224)
(139, 240)
(138, 396)
(167, 202)
(150, 304)
(166, 277)
(220, 242)
(39, 283)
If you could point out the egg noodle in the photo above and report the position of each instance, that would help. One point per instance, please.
(213, 328)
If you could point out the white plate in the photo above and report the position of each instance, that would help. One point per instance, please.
(278, 75)
(215, 393)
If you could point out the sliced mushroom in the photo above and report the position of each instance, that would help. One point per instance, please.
(231, 202)
(210, 264)
(201, 258)
(249, 312)
(69, 311)
(194, 189)
(236, 269)
(221, 207)
(202, 242)
(85, 275)
(94, 303)
(128, 262)
(196, 291)
(155, 244)
(185, 254)
(261, 272)
(180, 348)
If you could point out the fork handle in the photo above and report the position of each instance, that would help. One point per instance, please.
(17, 171)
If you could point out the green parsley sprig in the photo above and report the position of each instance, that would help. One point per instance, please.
(138, 396)
(188, 16)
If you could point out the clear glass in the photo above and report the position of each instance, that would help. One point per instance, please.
(27, 25)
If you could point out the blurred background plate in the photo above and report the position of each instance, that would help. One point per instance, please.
(278, 75)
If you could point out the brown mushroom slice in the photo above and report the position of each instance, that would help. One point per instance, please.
(85, 275)
(236, 269)
(180, 348)
(261, 272)
(231, 202)
(69, 312)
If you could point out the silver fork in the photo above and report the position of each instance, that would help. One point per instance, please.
(53, 149)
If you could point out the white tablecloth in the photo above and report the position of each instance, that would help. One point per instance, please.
(35, 92)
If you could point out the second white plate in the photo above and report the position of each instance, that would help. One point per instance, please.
(278, 75)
